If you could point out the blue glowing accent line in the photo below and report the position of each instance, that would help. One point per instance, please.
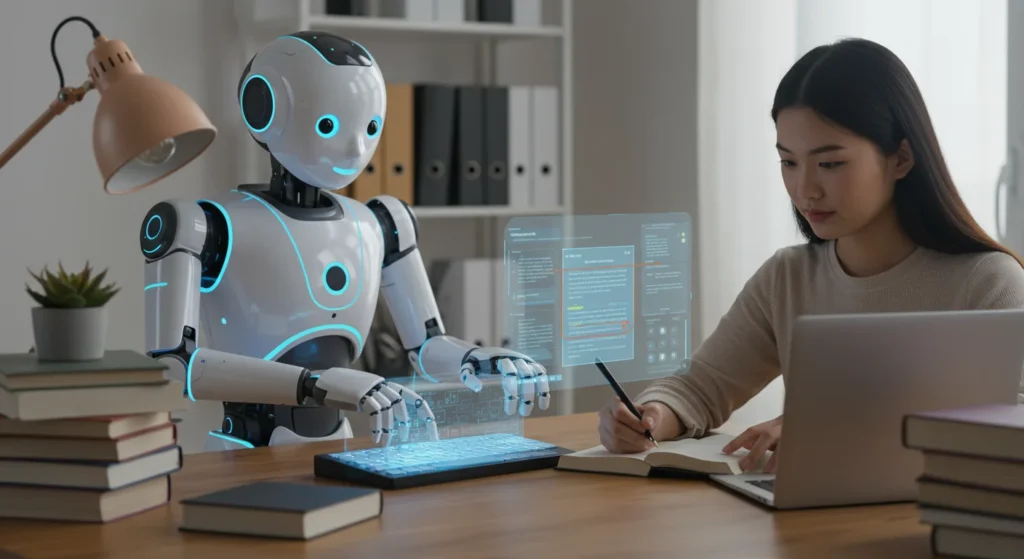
(231, 424)
(155, 285)
(220, 435)
(223, 320)
(419, 357)
(159, 227)
(302, 264)
(154, 249)
(380, 126)
(283, 346)
(273, 103)
(343, 270)
(227, 255)
(188, 376)
(334, 129)
(343, 171)
(303, 41)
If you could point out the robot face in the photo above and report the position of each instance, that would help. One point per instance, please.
(317, 103)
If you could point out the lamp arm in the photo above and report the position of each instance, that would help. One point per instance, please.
(65, 98)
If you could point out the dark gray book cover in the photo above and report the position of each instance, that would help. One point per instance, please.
(13, 364)
(283, 497)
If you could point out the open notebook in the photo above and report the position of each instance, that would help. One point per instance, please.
(698, 456)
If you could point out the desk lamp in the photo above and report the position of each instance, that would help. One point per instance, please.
(144, 129)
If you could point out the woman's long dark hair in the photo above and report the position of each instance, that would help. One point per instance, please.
(865, 88)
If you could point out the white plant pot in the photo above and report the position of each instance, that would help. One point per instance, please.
(70, 334)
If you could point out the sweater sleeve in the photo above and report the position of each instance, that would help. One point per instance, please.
(733, 364)
(997, 282)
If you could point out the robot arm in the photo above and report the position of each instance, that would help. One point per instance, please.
(173, 238)
(410, 299)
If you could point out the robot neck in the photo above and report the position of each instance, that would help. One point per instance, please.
(287, 189)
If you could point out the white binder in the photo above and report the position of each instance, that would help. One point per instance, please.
(526, 13)
(450, 10)
(519, 141)
(502, 330)
(464, 290)
(413, 10)
(545, 139)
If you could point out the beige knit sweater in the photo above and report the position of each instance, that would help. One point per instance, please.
(749, 348)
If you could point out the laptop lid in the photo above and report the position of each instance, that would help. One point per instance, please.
(853, 378)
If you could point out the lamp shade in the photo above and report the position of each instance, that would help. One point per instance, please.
(145, 128)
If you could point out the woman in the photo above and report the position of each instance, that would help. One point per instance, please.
(886, 231)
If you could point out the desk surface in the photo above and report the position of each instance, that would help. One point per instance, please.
(546, 513)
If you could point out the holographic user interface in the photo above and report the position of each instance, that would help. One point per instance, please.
(614, 287)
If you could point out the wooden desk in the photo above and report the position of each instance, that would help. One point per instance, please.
(532, 515)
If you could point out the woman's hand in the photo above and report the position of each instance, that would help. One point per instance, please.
(758, 440)
(622, 433)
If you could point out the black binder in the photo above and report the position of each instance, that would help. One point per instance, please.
(346, 7)
(469, 146)
(498, 11)
(435, 139)
(496, 145)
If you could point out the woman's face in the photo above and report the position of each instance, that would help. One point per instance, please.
(840, 182)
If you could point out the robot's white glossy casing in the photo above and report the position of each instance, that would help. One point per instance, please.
(272, 293)
(312, 89)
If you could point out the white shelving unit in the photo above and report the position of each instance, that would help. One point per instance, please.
(261, 19)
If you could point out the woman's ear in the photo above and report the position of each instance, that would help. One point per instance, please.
(904, 160)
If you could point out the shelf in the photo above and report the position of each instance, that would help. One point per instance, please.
(467, 29)
(435, 212)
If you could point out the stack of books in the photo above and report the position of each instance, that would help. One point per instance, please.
(86, 441)
(971, 491)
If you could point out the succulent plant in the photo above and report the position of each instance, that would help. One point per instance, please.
(71, 291)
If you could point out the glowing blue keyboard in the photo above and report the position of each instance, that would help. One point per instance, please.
(422, 463)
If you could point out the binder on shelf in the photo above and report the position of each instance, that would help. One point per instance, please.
(464, 290)
(502, 326)
(526, 13)
(369, 183)
(496, 11)
(469, 140)
(496, 145)
(412, 10)
(396, 140)
(520, 151)
(450, 10)
(545, 138)
(435, 138)
(346, 7)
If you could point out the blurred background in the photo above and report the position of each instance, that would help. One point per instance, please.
(661, 106)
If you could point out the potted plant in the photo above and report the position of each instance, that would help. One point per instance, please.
(70, 323)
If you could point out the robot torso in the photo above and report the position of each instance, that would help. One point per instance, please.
(287, 276)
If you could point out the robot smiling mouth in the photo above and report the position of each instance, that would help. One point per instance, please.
(343, 171)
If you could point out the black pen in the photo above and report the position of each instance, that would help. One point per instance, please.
(622, 396)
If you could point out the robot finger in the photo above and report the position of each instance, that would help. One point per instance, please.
(371, 405)
(387, 416)
(526, 385)
(469, 378)
(423, 412)
(509, 383)
(543, 388)
(398, 409)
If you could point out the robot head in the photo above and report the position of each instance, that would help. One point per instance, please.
(316, 102)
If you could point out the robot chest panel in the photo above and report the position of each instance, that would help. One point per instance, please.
(295, 271)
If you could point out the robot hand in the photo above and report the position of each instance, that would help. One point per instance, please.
(523, 379)
(383, 401)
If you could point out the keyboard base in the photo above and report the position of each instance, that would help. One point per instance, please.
(325, 466)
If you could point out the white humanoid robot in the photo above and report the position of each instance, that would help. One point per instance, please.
(285, 277)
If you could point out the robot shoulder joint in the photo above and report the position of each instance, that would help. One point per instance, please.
(397, 222)
(170, 226)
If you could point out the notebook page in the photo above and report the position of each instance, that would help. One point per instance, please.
(708, 448)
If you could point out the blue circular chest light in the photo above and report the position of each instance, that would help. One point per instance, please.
(335, 278)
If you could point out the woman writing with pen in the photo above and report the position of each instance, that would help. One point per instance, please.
(886, 232)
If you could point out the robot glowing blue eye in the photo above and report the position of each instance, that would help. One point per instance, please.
(327, 126)
(373, 129)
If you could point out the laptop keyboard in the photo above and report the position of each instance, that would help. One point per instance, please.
(766, 484)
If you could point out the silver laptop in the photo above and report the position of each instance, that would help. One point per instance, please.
(851, 381)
